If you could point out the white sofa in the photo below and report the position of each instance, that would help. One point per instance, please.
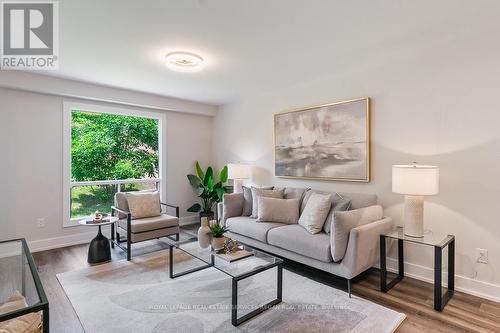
(295, 243)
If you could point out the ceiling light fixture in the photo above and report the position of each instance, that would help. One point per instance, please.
(184, 62)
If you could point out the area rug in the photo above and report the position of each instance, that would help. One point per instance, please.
(138, 296)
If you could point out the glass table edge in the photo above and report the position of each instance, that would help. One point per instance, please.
(277, 260)
(446, 239)
(43, 300)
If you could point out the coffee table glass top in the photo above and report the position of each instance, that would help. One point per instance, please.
(258, 261)
(430, 238)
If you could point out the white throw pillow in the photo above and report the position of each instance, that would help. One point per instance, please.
(144, 204)
(256, 192)
(315, 212)
(278, 210)
(343, 222)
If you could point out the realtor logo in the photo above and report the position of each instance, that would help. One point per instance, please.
(30, 36)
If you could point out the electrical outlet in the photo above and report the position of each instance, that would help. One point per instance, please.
(481, 256)
(40, 222)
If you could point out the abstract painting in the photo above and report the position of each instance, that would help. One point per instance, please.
(330, 141)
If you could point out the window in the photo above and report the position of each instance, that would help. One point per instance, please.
(108, 150)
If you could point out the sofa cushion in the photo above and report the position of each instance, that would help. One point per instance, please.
(295, 192)
(256, 192)
(297, 239)
(150, 223)
(249, 227)
(343, 222)
(278, 210)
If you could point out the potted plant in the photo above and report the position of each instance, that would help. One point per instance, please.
(218, 238)
(209, 192)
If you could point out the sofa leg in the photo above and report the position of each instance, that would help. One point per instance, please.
(349, 287)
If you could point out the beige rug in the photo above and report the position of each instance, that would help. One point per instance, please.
(138, 296)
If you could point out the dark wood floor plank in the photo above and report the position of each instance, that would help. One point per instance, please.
(464, 313)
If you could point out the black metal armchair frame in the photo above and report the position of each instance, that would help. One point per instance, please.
(118, 240)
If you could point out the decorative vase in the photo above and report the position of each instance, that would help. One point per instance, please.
(204, 236)
(218, 243)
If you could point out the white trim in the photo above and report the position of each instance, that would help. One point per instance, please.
(68, 107)
(85, 237)
(464, 284)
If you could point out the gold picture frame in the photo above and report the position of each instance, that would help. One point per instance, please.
(344, 155)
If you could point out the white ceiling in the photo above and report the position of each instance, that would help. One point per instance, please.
(250, 46)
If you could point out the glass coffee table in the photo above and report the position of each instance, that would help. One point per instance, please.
(237, 270)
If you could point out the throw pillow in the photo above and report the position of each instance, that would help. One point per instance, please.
(256, 192)
(144, 204)
(26, 323)
(233, 205)
(278, 210)
(247, 199)
(343, 222)
(315, 212)
(339, 204)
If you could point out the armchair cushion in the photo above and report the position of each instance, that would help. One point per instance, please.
(144, 204)
(150, 223)
(344, 222)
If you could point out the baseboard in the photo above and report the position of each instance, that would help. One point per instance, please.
(86, 237)
(63, 241)
(464, 284)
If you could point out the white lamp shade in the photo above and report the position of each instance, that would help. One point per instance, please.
(415, 179)
(238, 171)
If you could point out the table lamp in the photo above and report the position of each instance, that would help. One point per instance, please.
(238, 172)
(415, 181)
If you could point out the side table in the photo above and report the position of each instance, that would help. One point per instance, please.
(99, 249)
(439, 242)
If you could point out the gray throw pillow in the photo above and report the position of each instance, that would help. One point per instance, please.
(339, 204)
(256, 192)
(278, 210)
(343, 222)
(247, 199)
(232, 205)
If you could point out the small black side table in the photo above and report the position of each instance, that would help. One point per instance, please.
(99, 249)
(439, 242)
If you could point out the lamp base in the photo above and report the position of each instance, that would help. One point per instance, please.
(238, 185)
(414, 216)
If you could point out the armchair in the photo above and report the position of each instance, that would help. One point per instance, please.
(143, 229)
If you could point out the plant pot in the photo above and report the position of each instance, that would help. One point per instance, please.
(218, 243)
(209, 215)
(204, 236)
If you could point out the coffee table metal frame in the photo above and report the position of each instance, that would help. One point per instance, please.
(235, 321)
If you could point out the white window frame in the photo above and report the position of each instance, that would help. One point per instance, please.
(68, 108)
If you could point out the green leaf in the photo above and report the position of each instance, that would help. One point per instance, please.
(220, 194)
(210, 184)
(208, 175)
(194, 208)
(223, 174)
(199, 171)
(194, 181)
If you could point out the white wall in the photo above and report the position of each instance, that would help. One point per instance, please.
(434, 100)
(31, 166)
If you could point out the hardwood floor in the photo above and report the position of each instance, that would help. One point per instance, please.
(464, 313)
